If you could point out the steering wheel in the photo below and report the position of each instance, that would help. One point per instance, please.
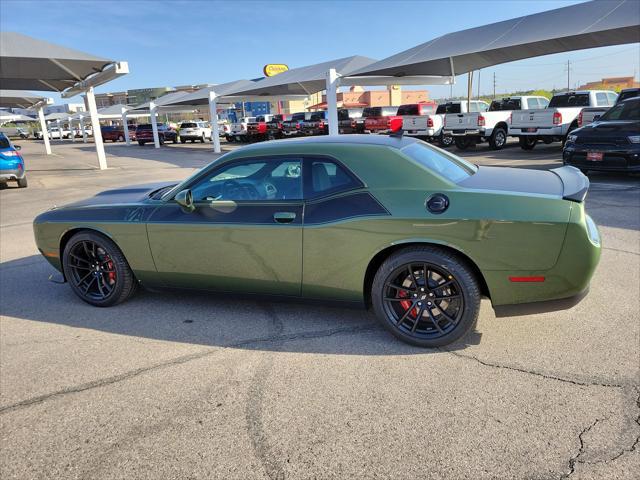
(270, 190)
(234, 190)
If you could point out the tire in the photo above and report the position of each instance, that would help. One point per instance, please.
(161, 140)
(88, 249)
(192, 140)
(462, 143)
(547, 140)
(182, 140)
(229, 138)
(498, 138)
(22, 182)
(120, 138)
(527, 143)
(141, 143)
(572, 127)
(175, 139)
(411, 320)
(202, 139)
(445, 141)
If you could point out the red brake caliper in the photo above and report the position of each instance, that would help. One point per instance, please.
(111, 275)
(406, 304)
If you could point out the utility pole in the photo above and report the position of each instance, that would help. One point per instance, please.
(494, 85)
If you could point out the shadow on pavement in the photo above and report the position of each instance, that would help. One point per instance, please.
(200, 318)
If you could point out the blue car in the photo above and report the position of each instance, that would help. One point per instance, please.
(11, 163)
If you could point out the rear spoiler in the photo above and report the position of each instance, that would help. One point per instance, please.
(575, 183)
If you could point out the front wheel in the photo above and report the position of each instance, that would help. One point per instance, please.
(141, 143)
(22, 182)
(498, 139)
(96, 269)
(426, 296)
(120, 138)
(527, 143)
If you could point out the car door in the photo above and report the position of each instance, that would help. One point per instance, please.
(244, 235)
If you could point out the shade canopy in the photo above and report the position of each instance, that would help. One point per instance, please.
(58, 116)
(201, 97)
(163, 104)
(27, 62)
(302, 81)
(20, 99)
(6, 117)
(112, 112)
(585, 25)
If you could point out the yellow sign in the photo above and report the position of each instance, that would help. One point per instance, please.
(274, 69)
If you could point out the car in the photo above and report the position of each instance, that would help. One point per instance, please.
(390, 222)
(317, 124)
(591, 114)
(610, 144)
(144, 133)
(54, 132)
(469, 129)
(88, 131)
(115, 133)
(293, 126)
(266, 127)
(196, 130)
(350, 120)
(11, 163)
(554, 123)
(378, 119)
(238, 130)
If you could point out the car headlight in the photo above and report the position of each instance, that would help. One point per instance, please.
(572, 138)
(594, 235)
(634, 138)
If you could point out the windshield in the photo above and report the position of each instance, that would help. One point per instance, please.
(570, 100)
(628, 94)
(445, 164)
(4, 141)
(188, 125)
(629, 110)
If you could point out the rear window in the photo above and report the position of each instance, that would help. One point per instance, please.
(144, 126)
(448, 108)
(505, 104)
(188, 125)
(371, 111)
(572, 100)
(408, 110)
(297, 116)
(388, 111)
(317, 116)
(445, 164)
(628, 94)
(4, 141)
(629, 110)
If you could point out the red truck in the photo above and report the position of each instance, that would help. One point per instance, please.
(266, 127)
(115, 133)
(379, 119)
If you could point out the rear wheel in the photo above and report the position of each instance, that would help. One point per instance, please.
(527, 143)
(462, 143)
(426, 296)
(96, 269)
(182, 140)
(120, 138)
(141, 143)
(175, 139)
(22, 182)
(445, 141)
(498, 138)
(203, 138)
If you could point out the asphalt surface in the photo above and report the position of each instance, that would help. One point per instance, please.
(176, 385)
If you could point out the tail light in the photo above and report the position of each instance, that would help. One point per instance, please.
(580, 119)
(557, 118)
(429, 122)
(321, 124)
(297, 126)
(10, 153)
(354, 124)
(262, 128)
(481, 121)
(280, 126)
(395, 123)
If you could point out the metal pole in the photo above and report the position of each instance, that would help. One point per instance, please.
(332, 101)
(84, 132)
(45, 132)
(478, 97)
(154, 126)
(59, 130)
(125, 126)
(469, 90)
(73, 134)
(213, 114)
(95, 125)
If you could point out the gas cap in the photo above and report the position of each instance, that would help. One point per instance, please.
(437, 203)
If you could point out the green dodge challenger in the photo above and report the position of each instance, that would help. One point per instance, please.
(389, 222)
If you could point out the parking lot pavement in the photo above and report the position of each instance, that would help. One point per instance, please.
(178, 385)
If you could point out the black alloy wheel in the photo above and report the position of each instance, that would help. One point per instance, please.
(445, 141)
(426, 296)
(97, 270)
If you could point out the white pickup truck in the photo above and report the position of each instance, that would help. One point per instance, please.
(493, 125)
(561, 116)
(429, 126)
(590, 115)
(238, 130)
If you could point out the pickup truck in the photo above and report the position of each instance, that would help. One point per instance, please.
(430, 126)
(195, 130)
(350, 120)
(266, 127)
(316, 125)
(293, 126)
(55, 132)
(378, 119)
(238, 130)
(554, 123)
(591, 114)
(493, 125)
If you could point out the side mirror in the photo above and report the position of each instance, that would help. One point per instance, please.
(17, 147)
(185, 200)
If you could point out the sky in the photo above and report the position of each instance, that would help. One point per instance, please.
(170, 43)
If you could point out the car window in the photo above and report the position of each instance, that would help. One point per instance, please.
(449, 108)
(612, 97)
(445, 164)
(601, 99)
(570, 100)
(532, 103)
(628, 94)
(629, 110)
(188, 125)
(408, 110)
(543, 102)
(324, 177)
(260, 179)
(4, 141)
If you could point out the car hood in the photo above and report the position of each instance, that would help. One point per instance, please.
(614, 129)
(127, 195)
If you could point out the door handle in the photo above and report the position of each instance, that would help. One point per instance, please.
(284, 217)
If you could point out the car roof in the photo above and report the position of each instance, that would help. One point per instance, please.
(382, 140)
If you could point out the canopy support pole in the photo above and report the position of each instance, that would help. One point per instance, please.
(59, 131)
(84, 132)
(125, 126)
(45, 132)
(73, 134)
(95, 126)
(469, 90)
(213, 114)
(332, 101)
(154, 126)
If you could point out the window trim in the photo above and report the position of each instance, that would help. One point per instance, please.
(307, 158)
